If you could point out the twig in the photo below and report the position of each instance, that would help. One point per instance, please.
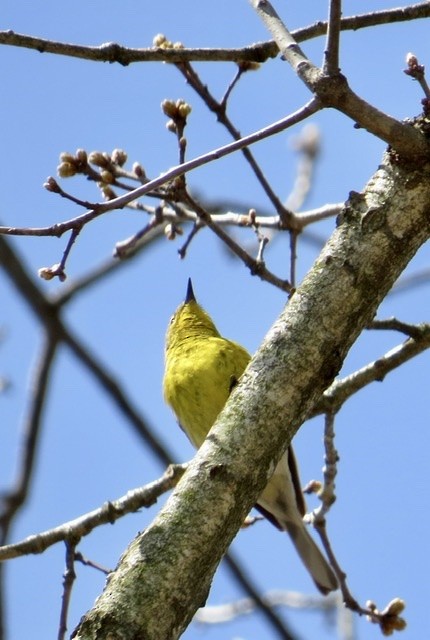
(417, 332)
(127, 248)
(307, 145)
(239, 72)
(58, 270)
(331, 54)
(306, 218)
(182, 251)
(389, 619)
(121, 201)
(339, 392)
(219, 108)
(48, 314)
(108, 513)
(69, 578)
(417, 71)
(90, 563)
(15, 497)
(327, 494)
(333, 91)
(293, 257)
(130, 247)
(255, 266)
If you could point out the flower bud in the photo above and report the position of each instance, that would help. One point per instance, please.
(66, 170)
(98, 158)
(119, 157)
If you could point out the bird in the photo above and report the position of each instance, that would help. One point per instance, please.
(201, 369)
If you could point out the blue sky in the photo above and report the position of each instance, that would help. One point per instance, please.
(87, 453)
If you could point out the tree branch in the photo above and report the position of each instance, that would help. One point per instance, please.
(118, 203)
(260, 52)
(341, 390)
(333, 91)
(171, 565)
(111, 511)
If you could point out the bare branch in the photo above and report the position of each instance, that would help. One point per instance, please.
(219, 108)
(331, 54)
(69, 577)
(314, 215)
(418, 332)
(260, 52)
(333, 91)
(48, 314)
(255, 265)
(15, 497)
(118, 203)
(111, 511)
(339, 392)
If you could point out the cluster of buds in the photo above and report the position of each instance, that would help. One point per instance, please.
(70, 164)
(161, 42)
(177, 112)
(389, 618)
(108, 164)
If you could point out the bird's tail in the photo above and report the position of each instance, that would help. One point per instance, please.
(283, 504)
(312, 557)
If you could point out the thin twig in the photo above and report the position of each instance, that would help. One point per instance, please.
(90, 563)
(219, 108)
(333, 91)
(331, 54)
(417, 71)
(255, 266)
(339, 392)
(108, 513)
(393, 324)
(301, 220)
(293, 257)
(121, 201)
(69, 578)
(14, 499)
(59, 270)
(48, 314)
(231, 86)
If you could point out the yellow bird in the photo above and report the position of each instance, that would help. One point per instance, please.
(201, 369)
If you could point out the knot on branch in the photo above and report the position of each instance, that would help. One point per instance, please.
(331, 90)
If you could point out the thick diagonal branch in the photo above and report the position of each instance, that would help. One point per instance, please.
(170, 566)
